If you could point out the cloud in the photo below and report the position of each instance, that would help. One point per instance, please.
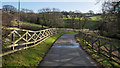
(49, 0)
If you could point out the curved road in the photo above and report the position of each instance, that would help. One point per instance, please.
(66, 52)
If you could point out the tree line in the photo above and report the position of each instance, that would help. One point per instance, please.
(110, 26)
(50, 17)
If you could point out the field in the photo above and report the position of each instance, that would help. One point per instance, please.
(91, 22)
(95, 18)
(29, 26)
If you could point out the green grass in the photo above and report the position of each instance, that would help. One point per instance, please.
(32, 24)
(29, 26)
(115, 42)
(94, 54)
(31, 56)
(92, 21)
(95, 18)
(90, 24)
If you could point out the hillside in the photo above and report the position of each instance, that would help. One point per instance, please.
(29, 26)
(9, 20)
(93, 20)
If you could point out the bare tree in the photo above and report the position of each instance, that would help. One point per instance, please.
(80, 20)
(110, 17)
(77, 11)
(72, 16)
(9, 9)
(27, 10)
(91, 12)
(51, 17)
(97, 1)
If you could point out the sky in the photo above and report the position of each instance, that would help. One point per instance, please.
(49, 0)
(64, 5)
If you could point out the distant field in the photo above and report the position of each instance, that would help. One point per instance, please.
(92, 21)
(95, 18)
(90, 24)
(29, 26)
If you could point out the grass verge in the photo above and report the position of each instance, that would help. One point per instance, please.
(98, 57)
(30, 57)
(29, 26)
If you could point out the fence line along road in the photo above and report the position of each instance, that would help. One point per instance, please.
(20, 39)
(107, 47)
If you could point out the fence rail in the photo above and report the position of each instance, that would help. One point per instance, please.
(19, 39)
(107, 47)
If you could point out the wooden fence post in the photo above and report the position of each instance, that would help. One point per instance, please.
(119, 52)
(13, 46)
(92, 42)
(26, 38)
(13, 40)
(34, 38)
(98, 45)
(110, 51)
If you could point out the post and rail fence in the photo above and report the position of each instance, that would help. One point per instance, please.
(19, 39)
(107, 47)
